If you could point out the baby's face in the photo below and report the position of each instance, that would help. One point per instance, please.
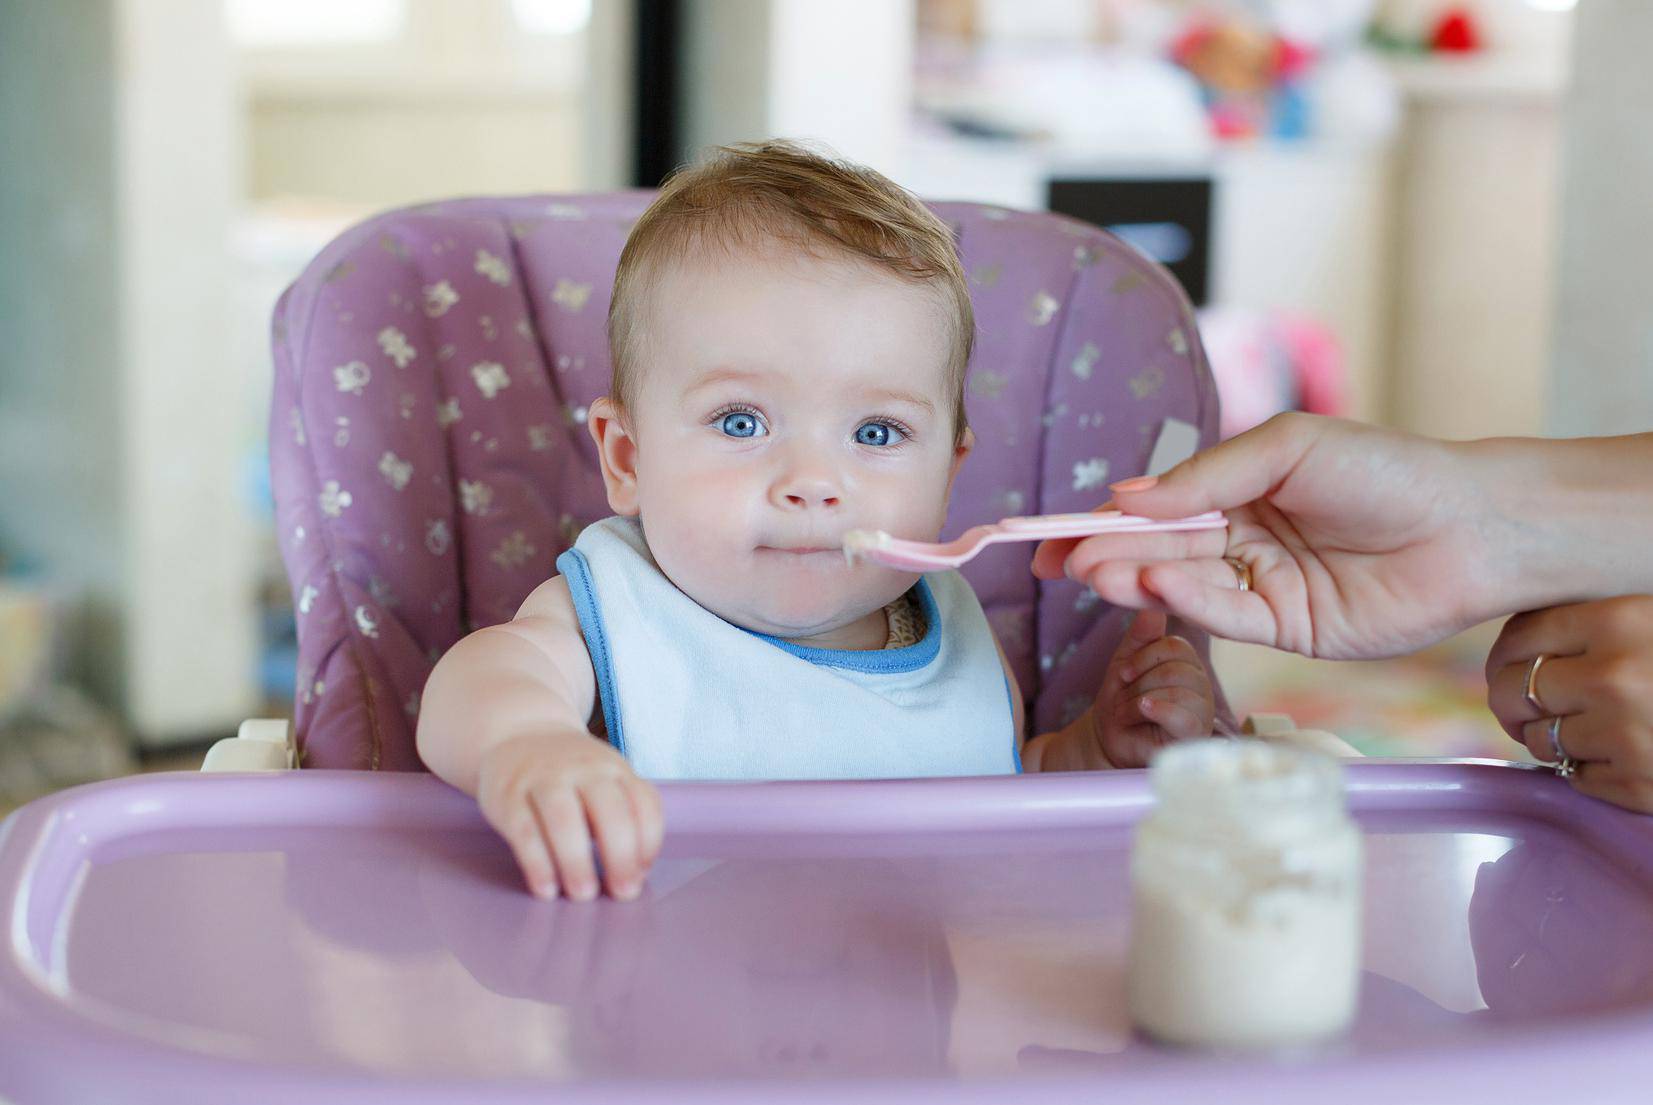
(782, 401)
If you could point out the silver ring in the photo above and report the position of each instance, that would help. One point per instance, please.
(1531, 691)
(1242, 571)
(1555, 740)
(1565, 766)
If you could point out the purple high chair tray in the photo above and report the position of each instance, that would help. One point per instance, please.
(325, 936)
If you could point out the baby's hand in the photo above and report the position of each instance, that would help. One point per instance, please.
(1155, 690)
(550, 794)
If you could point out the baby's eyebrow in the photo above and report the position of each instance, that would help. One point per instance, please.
(724, 376)
(872, 394)
(912, 398)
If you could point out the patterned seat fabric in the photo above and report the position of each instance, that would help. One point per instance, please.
(433, 367)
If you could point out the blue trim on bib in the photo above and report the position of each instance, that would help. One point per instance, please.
(1015, 737)
(575, 568)
(884, 661)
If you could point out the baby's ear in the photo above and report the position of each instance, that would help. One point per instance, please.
(966, 443)
(617, 450)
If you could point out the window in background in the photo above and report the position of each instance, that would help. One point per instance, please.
(260, 24)
(366, 104)
(355, 106)
(552, 17)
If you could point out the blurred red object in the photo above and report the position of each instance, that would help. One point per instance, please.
(1456, 33)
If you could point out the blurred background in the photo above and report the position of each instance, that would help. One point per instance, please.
(1415, 212)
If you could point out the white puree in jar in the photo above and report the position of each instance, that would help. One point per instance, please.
(1246, 882)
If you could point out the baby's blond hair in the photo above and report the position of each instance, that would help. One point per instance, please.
(747, 194)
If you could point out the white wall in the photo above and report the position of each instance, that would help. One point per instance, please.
(724, 79)
(1603, 365)
(838, 73)
(606, 114)
(842, 73)
(191, 635)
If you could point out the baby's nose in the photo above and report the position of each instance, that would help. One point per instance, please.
(805, 476)
(810, 492)
(807, 484)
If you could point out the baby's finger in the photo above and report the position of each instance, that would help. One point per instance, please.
(565, 829)
(1143, 629)
(1166, 650)
(526, 837)
(1134, 745)
(1179, 711)
(1146, 627)
(651, 821)
(614, 826)
(1176, 675)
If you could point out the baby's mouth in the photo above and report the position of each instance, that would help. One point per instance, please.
(804, 553)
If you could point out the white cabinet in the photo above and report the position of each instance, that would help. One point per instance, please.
(1305, 228)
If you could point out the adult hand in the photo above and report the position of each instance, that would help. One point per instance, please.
(1597, 677)
(1359, 542)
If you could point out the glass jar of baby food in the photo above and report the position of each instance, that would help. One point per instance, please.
(1246, 881)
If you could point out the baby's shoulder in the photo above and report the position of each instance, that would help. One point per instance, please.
(550, 600)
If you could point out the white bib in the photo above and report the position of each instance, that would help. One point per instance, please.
(687, 695)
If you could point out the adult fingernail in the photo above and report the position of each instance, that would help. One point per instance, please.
(1135, 483)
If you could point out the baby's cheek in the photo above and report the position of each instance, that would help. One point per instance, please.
(915, 507)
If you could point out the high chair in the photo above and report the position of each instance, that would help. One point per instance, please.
(355, 936)
(433, 368)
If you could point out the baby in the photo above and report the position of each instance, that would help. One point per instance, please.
(789, 336)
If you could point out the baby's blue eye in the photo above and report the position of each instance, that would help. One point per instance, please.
(741, 424)
(878, 433)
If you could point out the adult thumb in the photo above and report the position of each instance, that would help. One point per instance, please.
(1231, 474)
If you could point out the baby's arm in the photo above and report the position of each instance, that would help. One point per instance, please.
(503, 718)
(1155, 690)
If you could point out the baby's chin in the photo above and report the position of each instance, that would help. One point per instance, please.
(804, 616)
(795, 598)
(792, 623)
